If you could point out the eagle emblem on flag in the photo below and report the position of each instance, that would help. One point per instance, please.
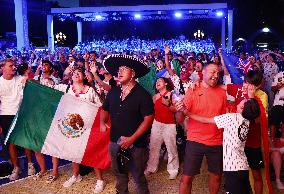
(72, 125)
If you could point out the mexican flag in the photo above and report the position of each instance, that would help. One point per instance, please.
(60, 125)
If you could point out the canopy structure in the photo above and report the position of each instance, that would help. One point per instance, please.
(145, 12)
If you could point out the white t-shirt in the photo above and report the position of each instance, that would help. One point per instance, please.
(90, 95)
(279, 96)
(11, 94)
(270, 71)
(47, 82)
(234, 140)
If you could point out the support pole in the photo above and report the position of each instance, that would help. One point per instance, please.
(223, 34)
(230, 30)
(50, 32)
(79, 31)
(21, 18)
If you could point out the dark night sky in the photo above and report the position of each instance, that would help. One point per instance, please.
(249, 15)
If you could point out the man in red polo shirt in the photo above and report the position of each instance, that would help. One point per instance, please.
(208, 100)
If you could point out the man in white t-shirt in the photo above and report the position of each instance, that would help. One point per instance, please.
(236, 127)
(11, 94)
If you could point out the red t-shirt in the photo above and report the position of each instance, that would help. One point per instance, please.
(163, 113)
(207, 102)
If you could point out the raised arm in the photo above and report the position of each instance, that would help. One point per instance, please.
(98, 79)
(86, 63)
(200, 118)
(167, 61)
(224, 67)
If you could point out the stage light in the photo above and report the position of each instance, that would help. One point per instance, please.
(241, 39)
(178, 14)
(99, 17)
(265, 29)
(219, 13)
(137, 16)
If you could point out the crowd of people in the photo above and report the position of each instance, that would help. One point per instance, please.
(182, 96)
(180, 44)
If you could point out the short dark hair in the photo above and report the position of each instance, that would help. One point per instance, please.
(191, 58)
(273, 56)
(201, 62)
(254, 77)
(47, 62)
(80, 60)
(22, 68)
(93, 52)
(251, 109)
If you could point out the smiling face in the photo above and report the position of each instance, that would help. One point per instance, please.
(160, 84)
(160, 64)
(78, 76)
(211, 74)
(93, 56)
(46, 68)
